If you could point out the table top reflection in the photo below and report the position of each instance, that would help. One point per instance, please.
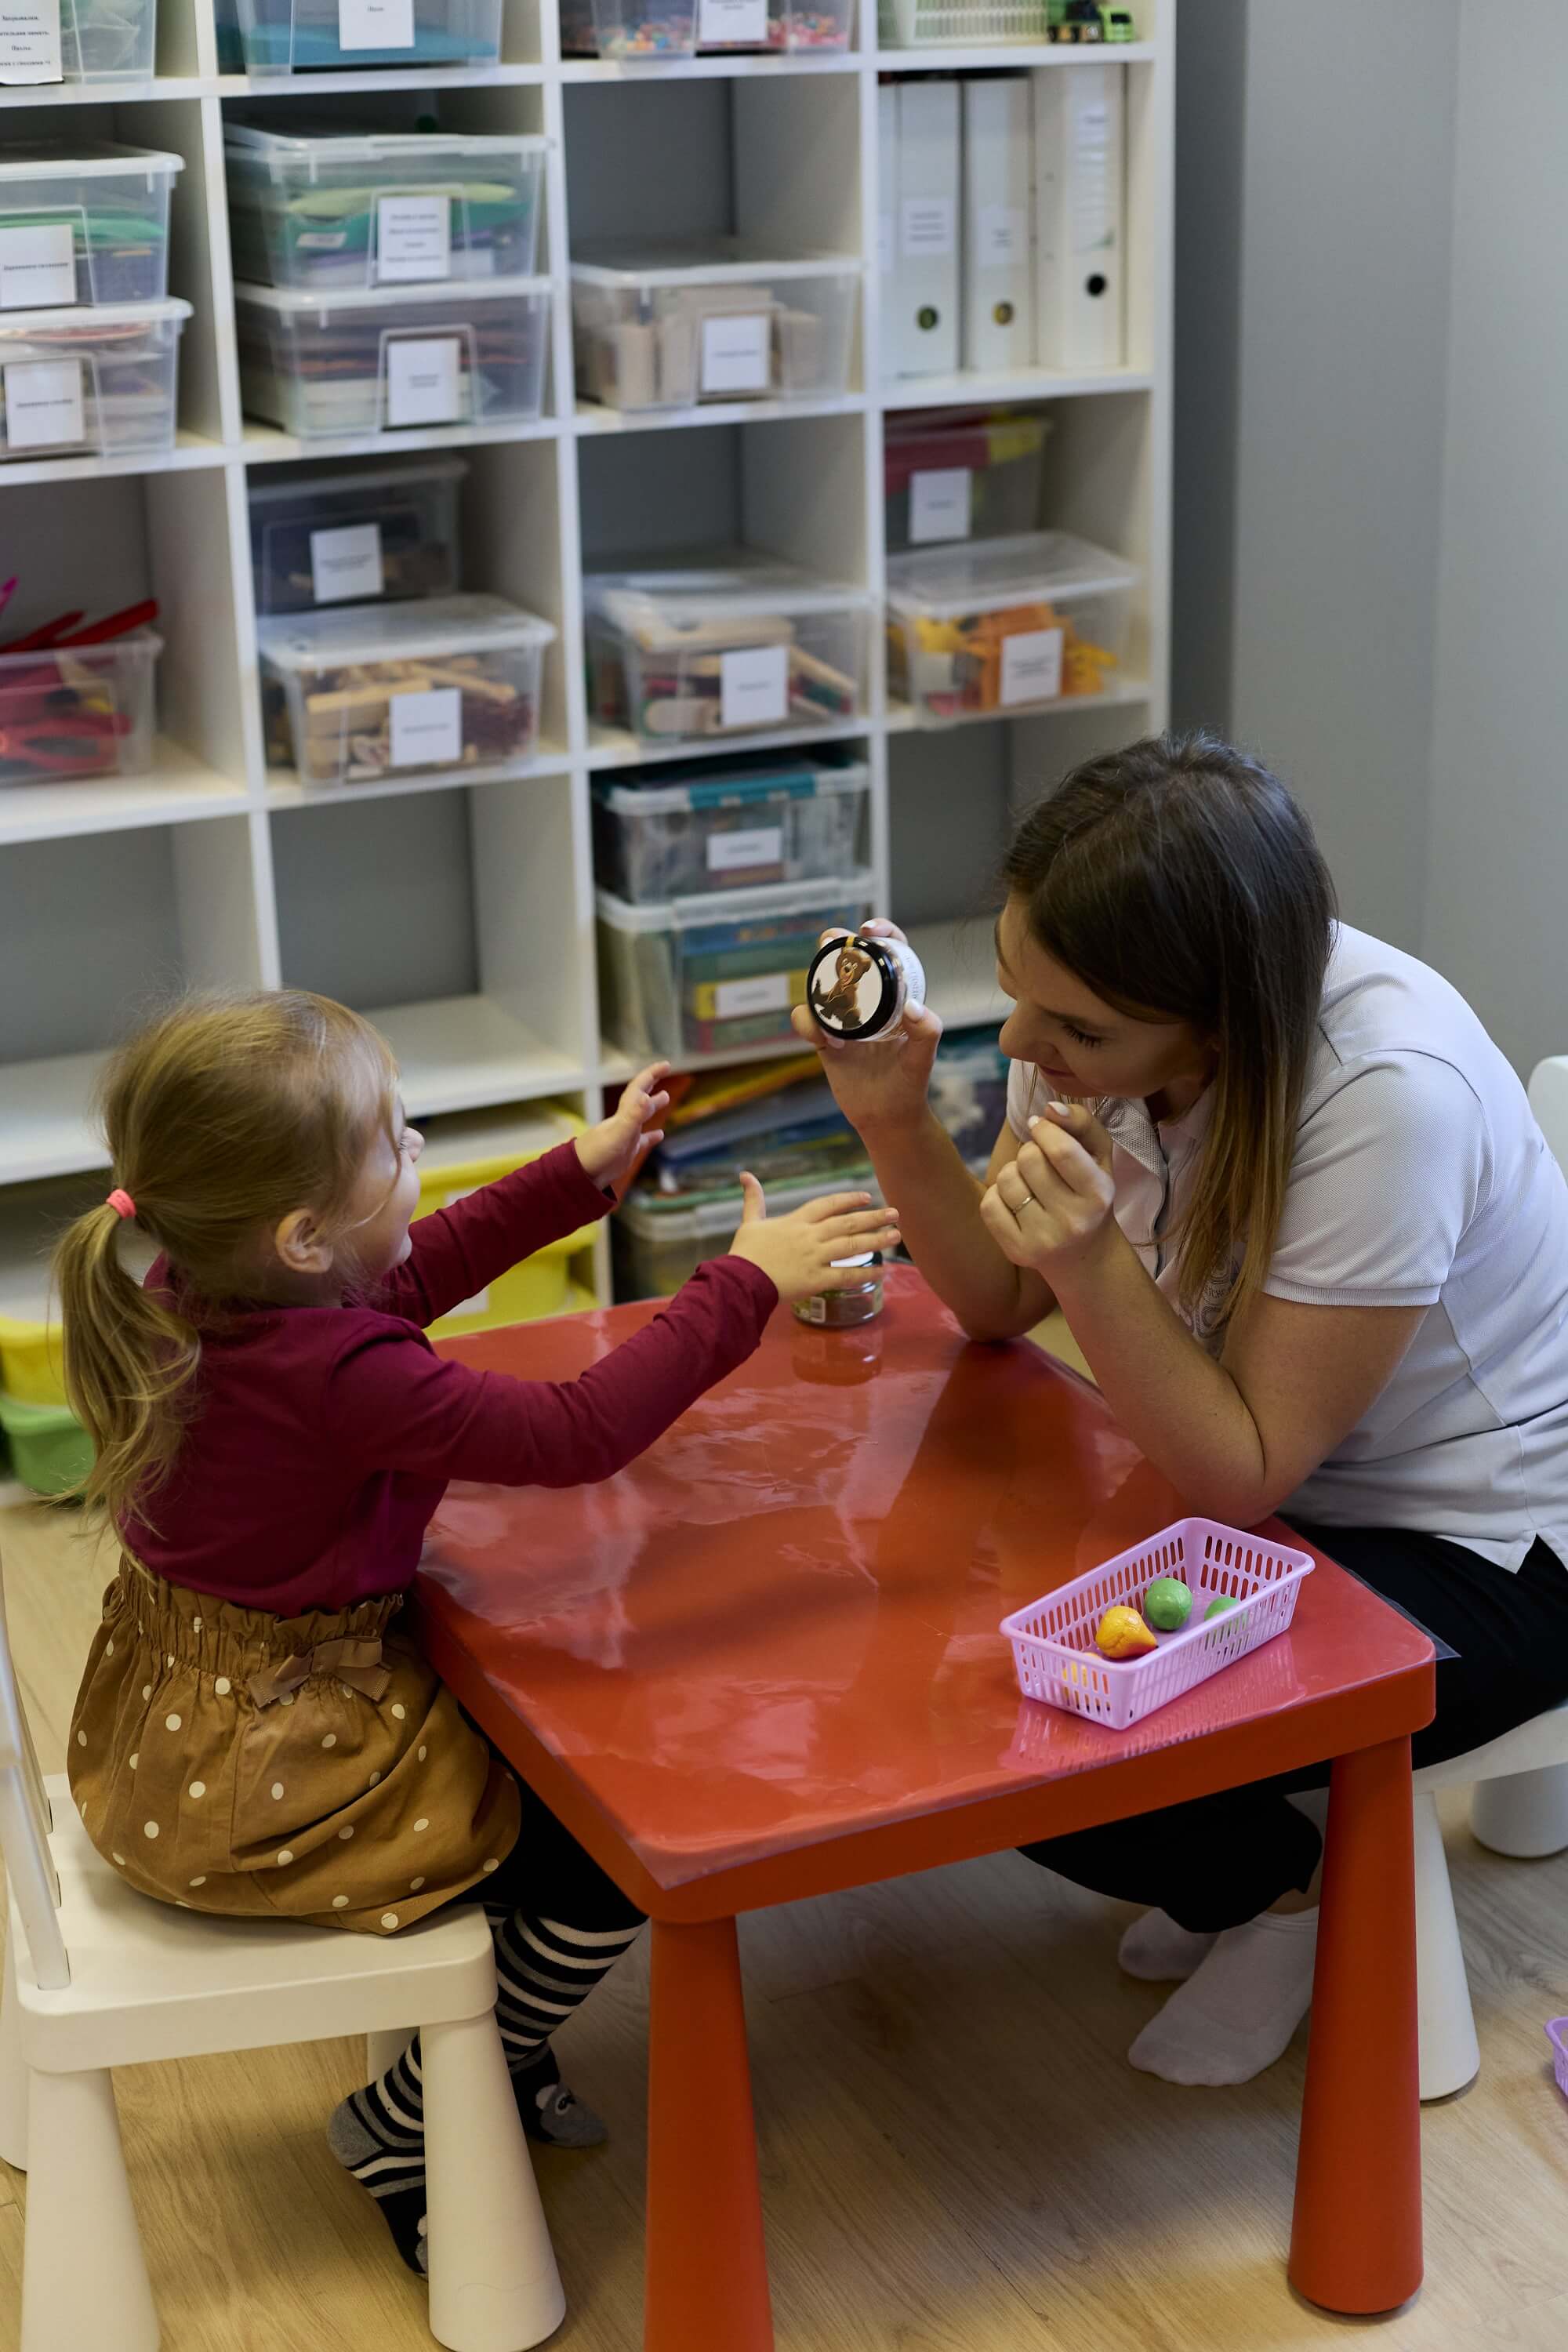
(780, 1626)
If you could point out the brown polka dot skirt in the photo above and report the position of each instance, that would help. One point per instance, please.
(307, 1768)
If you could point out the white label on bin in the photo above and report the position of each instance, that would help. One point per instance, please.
(1032, 666)
(759, 844)
(413, 239)
(929, 227)
(44, 404)
(425, 381)
(769, 992)
(37, 267)
(427, 729)
(736, 353)
(938, 505)
(732, 24)
(376, 23)
(30, 41)
(346, 564)
(1004, 235)
(753, 687)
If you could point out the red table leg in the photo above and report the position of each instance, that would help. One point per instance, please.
(1357, 2243)
(707, 2267)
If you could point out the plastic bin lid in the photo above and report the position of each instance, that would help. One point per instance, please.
(721, 787)
(337, 482)
(626, 262)
(82, 325)
(685, 596)
(321, 143)
(985, 573)
(735, 905)
(721, 1213)
(139, 645)
(294, 302)
(83, 159)
(435, 628)
(455, 1142)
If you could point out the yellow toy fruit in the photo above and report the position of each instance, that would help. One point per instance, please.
(1121, 1633)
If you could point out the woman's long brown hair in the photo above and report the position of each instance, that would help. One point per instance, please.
(222, 1117)
(1180, 880)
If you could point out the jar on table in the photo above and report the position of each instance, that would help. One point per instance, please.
(844, 1310)
(860, 986)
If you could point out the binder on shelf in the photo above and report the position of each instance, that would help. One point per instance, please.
(887, 214)
(999, 275)
(923, 314)
(1078, 233)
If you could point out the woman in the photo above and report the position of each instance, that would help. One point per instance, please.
(1293, 1205)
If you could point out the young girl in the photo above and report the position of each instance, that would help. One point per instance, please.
(257, 1734)
(1293, 1205)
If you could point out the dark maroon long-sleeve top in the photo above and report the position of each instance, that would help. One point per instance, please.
(322, 1437)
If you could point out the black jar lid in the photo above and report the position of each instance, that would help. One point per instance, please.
(877, 996)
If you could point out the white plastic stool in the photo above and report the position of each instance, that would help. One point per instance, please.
(1520, 1806)
(96, 1977)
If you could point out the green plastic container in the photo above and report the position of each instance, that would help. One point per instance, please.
(50, 1451)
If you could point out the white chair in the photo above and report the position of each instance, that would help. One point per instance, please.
(1520, 1802)
(98, 1976)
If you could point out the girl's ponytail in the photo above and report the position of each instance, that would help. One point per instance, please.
(128, 1356)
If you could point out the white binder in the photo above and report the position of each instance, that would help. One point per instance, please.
(888, 218)
(998, 273)
(1079, 202)
(921, 320)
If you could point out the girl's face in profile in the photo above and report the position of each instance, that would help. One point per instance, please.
(1081, 1045)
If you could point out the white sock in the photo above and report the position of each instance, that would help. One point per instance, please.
(1159, 1952)
(1236, 2012)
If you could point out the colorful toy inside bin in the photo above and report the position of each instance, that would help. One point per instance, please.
(463, 1154)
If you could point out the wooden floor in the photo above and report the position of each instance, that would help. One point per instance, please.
(956, 2157)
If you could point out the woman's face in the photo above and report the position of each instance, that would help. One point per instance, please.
(1081, 1044)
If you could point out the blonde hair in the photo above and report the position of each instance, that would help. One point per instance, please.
(1181, 881)
(222, 1115)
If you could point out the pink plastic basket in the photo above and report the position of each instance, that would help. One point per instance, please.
(1053, 1640)
(1557, 2034)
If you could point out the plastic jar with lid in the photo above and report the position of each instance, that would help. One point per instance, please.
(842, 1310)
(860, 986)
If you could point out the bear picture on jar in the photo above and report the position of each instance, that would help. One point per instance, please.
(839, 1006)
(860, 986)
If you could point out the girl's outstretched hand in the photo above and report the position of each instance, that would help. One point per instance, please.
(613, 1149)
(1053, 1204)
(796, 1252)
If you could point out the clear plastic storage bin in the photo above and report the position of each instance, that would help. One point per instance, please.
(351, 696)
(83, 222)
(382, 361)
(731, 648)
(709, 827)
(282, 37)
(97, 383)
(384, 533)
(673, 326)
(101, 40)
(87, 713)
(460, 1155)
(972, 477)
(1006, 625)
(325, 209)
(649, 29)
(725, 27)
(716, 974)
(963, 24)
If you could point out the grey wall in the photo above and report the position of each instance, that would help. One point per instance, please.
(1315, 155)
(1498, 853)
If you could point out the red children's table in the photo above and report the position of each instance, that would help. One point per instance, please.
(763, 1663)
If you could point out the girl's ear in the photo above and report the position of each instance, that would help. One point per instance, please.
(301, 1244)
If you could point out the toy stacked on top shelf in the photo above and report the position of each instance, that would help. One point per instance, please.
(455, 900)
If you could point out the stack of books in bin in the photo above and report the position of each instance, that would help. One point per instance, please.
(779, 1119)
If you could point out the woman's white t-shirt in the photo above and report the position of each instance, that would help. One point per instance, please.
(1420, 1179)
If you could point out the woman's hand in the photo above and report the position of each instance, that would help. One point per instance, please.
(796, 1252)
(613, 1149)
(1051, 1206)
(883, 1084)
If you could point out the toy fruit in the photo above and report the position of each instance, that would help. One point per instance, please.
(1218, 1607)
(1121, 1633)
(1167, 1605)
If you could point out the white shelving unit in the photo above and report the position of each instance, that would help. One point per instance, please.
(460, 913)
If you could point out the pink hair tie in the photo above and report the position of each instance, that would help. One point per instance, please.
(122, 1203)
